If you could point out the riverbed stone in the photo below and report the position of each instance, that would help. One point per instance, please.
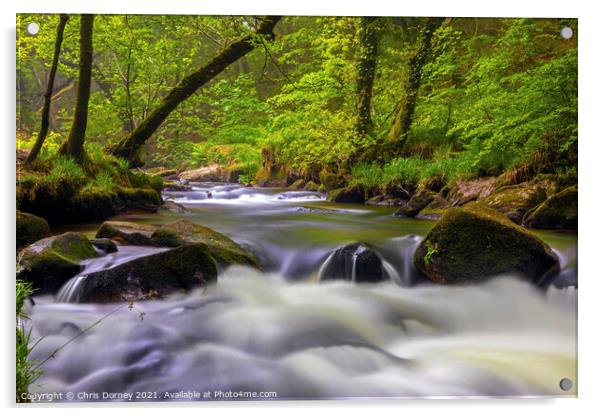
(211, 173)
(354, 262)
(149, 277)
(471, 244)
(225, 251)
(557, 212)
(50, 262)
(515, 201)
(349, 194)
(30, 228)
(418, 201)
(298, 184)
(105, 245)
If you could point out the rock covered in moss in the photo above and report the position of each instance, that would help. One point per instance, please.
(225, 251)
(153, 276)
(515, 201)
(356, 263)
(30, 228)
(271, 176)
(127, 232)
(418, 201)
(472, 244)
(171, 206)
(298, 184)
(350, 194)
(50, 262)
(105, 245)
(557, 212)
(311, 186)
(330, 180)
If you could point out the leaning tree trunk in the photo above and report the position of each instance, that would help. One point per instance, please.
(130, 146)
(403, 118)
(60, 30)
(74, 146)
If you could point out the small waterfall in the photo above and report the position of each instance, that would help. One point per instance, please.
(70, 291)
(354, 268)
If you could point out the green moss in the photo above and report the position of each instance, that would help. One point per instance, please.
(312, 186)
(167, 238)
(475, 243)
(298, 184)
(329, 180)
(558, 211)
(30, 229)
(515, 200)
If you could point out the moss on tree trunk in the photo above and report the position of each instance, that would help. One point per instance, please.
(74, 146)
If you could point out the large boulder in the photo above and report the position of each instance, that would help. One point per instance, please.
(515, 201)
(350, 194)
(356, 263)
(225, 251)
(30, 228)
(50, 262)
(463, 192)
(311, 186)
(418, 202)
(558, 211)
(154, 276)
(469, 245)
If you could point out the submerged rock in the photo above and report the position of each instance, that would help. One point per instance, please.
(418, 201)
(557, 212)
(176, 187)
(356, 263)
(50, 262)
(30, 228)
(225, 251)
(154, 276)
(472, 244)
(171, 206)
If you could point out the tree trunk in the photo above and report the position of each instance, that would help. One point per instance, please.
(60, 30)
(129, 147)
(74, 146)
(403, 119)
(366, 69)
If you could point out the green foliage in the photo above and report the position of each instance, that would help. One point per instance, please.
(431, 250)
(26, 370)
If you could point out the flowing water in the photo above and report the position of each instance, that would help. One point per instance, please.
(281, 334)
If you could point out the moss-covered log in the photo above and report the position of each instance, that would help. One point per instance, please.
(129, 147)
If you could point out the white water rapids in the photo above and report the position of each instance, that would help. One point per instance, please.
(283, 333)
(256, 333)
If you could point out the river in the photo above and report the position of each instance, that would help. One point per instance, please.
(282, 334)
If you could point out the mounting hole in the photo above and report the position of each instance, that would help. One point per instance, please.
(566, 384)
(32, 28)
(566, 32)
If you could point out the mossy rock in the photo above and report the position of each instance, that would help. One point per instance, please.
(50, 262)
(30, 228)
(472, 244)
(298, 184)
(105, 245)
(225, 251)
(144, 198)
(311, 186)
(417, 202)
(127, 232)
(329, 180)
(271, 176)
(515, 201)
(155, 276)
(350, 194)
(557, 212)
